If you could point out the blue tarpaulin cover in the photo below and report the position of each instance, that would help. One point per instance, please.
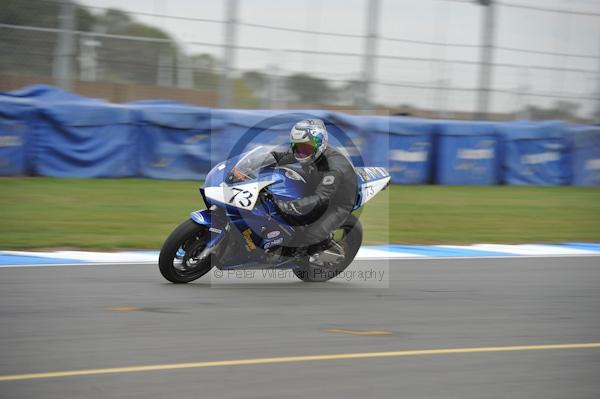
(349, 133)
(243, 130)
(17, 124)
(467, 153)
(86, 139)
(48, 131)
(174, 140)
(20, 122)
(46, 93)
(402, 145)
(585, 141)
(535, 153)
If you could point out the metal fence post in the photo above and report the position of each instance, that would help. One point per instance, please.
(597, 116)
(88, 61)
(185, 74)
(164, 76)
(370, 50)
(438, 69)
(64, 50)
(231, 12)
(487, 54)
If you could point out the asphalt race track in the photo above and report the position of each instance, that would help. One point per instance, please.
(517, 328)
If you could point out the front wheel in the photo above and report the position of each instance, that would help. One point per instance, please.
(349, 238)
(180, 258)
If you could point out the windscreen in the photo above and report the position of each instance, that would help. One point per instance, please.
(250, 164)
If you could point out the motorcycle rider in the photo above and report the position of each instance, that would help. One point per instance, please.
(331, 180)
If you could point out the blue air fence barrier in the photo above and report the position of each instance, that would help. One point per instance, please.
(467, 153)
(350, 134)
(174, 140)
(244, 130)
(86, 139)
(47, 94)
(585, 155)
(402, 145)
(535, 153)
(17, 125)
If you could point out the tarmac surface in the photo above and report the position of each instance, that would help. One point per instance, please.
(121, 331)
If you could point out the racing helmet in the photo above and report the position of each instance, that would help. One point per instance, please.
(309, 139)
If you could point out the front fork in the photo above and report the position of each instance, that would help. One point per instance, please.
(215, 219)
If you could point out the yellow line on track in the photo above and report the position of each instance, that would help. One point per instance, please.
(295, 359)
(357, 332)
(125, 309)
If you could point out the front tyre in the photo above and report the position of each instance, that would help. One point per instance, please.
(180, 258)
(349, 237)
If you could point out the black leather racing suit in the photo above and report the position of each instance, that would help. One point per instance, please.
(333, 183)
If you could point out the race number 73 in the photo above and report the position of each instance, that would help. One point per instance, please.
(242, 197)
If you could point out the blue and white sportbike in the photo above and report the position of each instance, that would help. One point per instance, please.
(242, 228)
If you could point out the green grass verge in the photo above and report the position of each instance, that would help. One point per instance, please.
(133, 213)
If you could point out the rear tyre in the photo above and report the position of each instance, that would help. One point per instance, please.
(350, 240)
(179, 260)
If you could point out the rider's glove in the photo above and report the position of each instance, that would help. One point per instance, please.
(288, 207)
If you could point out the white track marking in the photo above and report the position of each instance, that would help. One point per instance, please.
(532, 249)
(372, 253)
(92, 257)
(85, 258)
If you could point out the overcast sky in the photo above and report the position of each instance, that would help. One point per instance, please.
(430, 20)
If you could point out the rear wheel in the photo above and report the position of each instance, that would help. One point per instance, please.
(349, 238)
(180, 258)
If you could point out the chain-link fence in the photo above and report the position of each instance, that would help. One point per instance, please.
(237, 62)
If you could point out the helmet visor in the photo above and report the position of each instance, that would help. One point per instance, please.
(303, 150)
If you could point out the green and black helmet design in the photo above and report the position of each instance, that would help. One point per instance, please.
(309, 139)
